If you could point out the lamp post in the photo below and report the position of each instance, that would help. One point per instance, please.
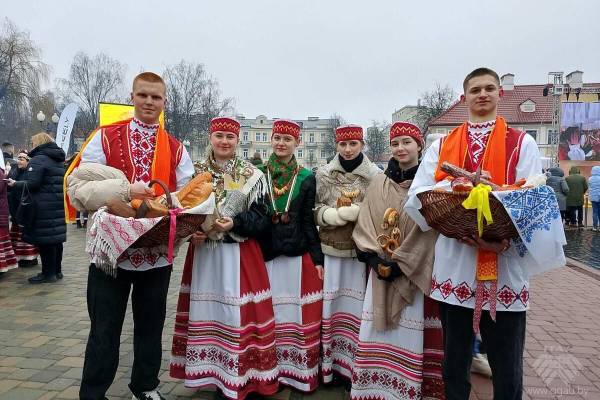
(41, 117)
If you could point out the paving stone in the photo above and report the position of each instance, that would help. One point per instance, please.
(72, 392)
(59, 384)
(8, 384)
(22, 374)
(71, 362)
(35, 363)
(22, 393)
(46, 376)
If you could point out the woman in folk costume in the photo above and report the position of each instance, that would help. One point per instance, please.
(8, 260)
(26, 253)
(341, 187)
(225, 328)
(294, 261)
(399, 353)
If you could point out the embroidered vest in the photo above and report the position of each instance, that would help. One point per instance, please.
(117, 149)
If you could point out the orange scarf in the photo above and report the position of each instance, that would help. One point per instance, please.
(160, 165)
(454, 150)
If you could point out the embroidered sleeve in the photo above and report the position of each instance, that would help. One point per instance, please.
(94, 151)
(185, 169)
(530, 162)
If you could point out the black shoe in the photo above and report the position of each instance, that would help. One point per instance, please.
(41, 278)
(59, 275)
(151, 395)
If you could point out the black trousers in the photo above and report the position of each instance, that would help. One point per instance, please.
(107, 299)
(504, 340)
(51, 257)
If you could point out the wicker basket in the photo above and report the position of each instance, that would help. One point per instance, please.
(444, 212)
(187, 224)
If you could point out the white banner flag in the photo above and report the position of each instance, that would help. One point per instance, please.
(65, 126)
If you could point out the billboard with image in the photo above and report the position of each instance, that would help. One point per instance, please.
(579, 131)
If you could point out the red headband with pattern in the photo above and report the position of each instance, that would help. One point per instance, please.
(348, 132)
(402, 128)
(286, 127)
(224, 124)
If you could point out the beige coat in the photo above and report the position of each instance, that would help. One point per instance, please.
(331, 180)
(91, 185)
(414, 254)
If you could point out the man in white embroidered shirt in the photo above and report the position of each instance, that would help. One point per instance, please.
(143, 151)
(507, 155)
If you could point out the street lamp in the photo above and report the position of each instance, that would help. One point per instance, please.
(41, 117)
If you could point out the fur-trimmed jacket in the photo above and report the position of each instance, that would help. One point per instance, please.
(332, 179)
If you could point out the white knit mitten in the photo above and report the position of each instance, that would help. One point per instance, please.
(331, 217)
(349, 213)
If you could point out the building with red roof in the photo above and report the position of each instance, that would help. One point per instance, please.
(523, 106)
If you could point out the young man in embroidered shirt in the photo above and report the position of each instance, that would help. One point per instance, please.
(142, 151)
(508, 154)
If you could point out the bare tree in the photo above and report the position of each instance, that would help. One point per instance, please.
(21, 74)
(433, 104)
(377, 141)
(92, 80)
(193, 99)
(329, 140)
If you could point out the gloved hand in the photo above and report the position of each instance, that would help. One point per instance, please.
(349, 213)
(375, 262)
(331, 217)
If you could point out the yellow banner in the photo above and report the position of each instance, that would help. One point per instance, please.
(112, 112)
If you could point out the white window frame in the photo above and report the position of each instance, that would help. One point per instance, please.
(245, 154)
(245, 136)
(311, 137)
(300, 153)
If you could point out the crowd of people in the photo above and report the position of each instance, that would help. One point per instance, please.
(31, 200)
(570, 193)
(300, 277)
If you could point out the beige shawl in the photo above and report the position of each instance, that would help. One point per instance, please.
(414, 255)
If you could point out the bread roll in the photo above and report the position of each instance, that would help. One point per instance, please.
(196, 191)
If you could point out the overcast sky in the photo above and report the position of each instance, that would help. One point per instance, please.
(361, 59)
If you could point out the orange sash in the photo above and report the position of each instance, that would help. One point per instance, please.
(160, 165)
(454, 149)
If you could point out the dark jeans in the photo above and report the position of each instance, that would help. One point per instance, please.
(571, 211)
(51, 256)
(595, 213)
(504, 340)
(107, 299)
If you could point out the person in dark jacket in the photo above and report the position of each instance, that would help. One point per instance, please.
(26, 253)
(577, 188)
(557, 181)
(294, 259)
(8, 152)
(44, 180)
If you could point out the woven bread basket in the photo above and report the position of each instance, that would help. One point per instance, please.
(445, 213)
(187, 224)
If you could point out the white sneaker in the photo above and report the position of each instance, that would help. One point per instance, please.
(481, 366)
(151, 395)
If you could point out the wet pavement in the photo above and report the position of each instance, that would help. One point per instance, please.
(44, 328)
(583, 245)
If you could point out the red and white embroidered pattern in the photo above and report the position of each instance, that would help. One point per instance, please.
(142, 138)
(506, 296)
(477, 139)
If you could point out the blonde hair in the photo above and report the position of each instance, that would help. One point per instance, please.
(40, 139)
(148, 77)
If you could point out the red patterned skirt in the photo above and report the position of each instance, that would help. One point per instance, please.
(403, 363)
(8, 260)
(298, 302)
(225, 327)
(23, 251)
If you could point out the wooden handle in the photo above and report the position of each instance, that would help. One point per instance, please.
(457, 172)
(164, 188)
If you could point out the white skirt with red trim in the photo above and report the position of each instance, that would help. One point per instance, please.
(344, 288)
(298, 303)
(225, 328)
